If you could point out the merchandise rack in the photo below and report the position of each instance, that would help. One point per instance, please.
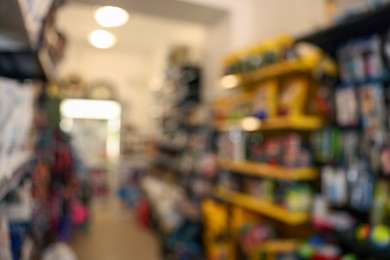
(21, 57)
(275, 247)
(375, 21)
(267, 209)
(269, 171)
(281, 123)
(235, 117)
(273, 71)
(18, 168)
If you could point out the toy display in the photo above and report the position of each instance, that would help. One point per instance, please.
(228, 180)
(317, 248)
(276, 87)
(261, 189)
(361, 60)
(334, 185)
(354, 152)
(260, 56)
(293, 97)
(347, 106)
(184, 164)
(288, 151)
(264, 101)
(276, 82)
(216, 231)
(327, 144)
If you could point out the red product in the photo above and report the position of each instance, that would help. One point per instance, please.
(143, 213)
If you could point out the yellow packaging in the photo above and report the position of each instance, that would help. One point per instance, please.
(265, 100)
(293, 96)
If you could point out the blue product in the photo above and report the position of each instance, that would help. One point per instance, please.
(17, 236)
(361, 185)
(347, 112)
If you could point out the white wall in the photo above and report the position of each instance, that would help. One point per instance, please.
(139, 56)
(295, 17)
(127, 71)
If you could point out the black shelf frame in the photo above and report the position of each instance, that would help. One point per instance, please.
(371, 22)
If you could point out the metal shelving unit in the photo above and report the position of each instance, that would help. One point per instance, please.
(328, 39)
(20, 55)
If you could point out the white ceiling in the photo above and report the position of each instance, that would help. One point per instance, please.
(173, 9)
(143, 33)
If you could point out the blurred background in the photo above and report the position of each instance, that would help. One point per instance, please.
(194, 129)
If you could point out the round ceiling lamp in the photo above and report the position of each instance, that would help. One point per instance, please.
(102, 39)
(111, 16)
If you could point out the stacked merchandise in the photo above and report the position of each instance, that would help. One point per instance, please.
(184, 165)
(38, 183)
(350, 215)
(31, 44)
(352, 209)
(185, 178)
(132, 172)
(56, 174)
(267, 171)
(17, 101)
(42, 191)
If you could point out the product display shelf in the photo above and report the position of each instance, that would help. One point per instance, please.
(20, 54)
(375, 21)
(273, 247)
(16, 170)
(279, 123)
(171, 148)
(276, 70)
(264, 208)
(364, 249)
(269, 171)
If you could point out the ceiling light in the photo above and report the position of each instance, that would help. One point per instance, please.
(111, 16)
(102, 39)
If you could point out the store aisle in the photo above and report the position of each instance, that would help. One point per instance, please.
(115, 235)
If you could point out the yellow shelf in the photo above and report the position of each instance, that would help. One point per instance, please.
(278, 246)
(268, 171)
(277, 70)
(274, 247)
(264, 208)
(279, 123)
(271, 71)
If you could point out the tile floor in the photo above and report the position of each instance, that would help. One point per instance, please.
(115, 235)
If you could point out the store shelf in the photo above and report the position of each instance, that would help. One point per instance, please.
(271, 71)
(277, 246)
(274, 247)
(167, 163)
(170, 148)
(264, 208)
(376, 21)
(277, 70)
(14, 173)
(280, 123)
(268, 171)
(20, 57)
